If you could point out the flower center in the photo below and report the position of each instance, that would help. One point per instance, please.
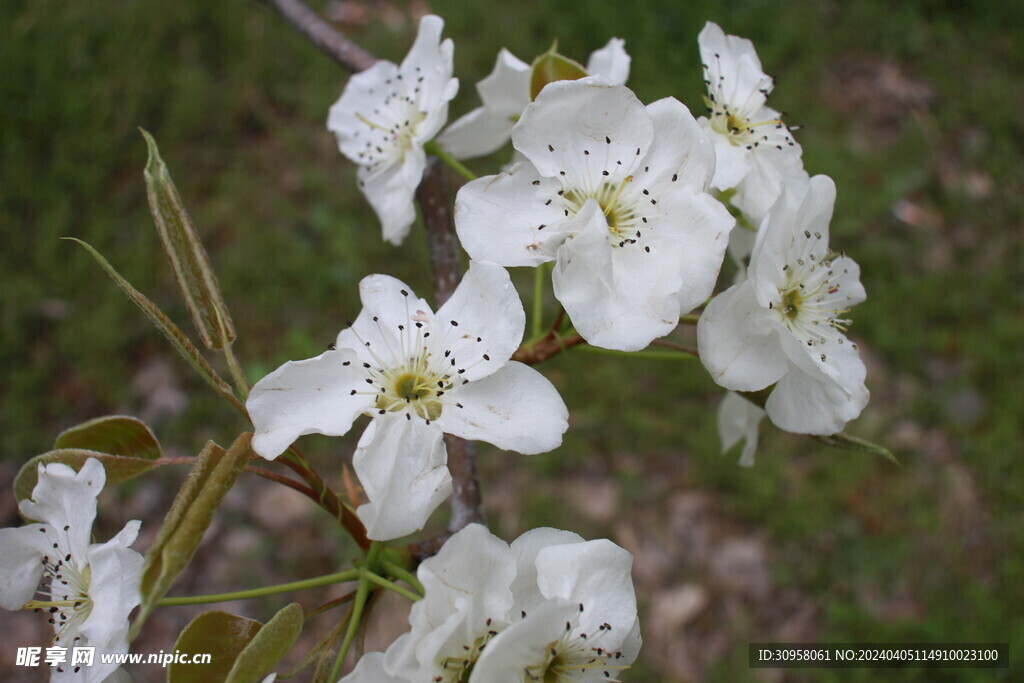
(459, 669)
(568, 657)
(413, 386)
(392, 134)
(811, 302)
(621, 215)
(65, 593)
(739, 130)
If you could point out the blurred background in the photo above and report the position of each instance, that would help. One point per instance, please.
(913, 108)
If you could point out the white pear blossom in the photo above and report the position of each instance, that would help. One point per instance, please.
(576, 612)
(738, 420)
(88, 589)
(549, 607)
(419, 375)
(384, 117)
(785, 324)
(615, 193)
(754, 148)
(505, 94)
(468, 601)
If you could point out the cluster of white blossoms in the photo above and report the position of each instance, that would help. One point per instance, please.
(782, 323)
(629, 202)
(86, 589)
(617, 195)
(550, 607)
(419, 375)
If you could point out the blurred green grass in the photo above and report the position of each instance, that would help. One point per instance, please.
(237, 102)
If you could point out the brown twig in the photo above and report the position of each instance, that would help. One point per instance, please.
(281, 479)
(549, 346)
(327, 498)
(467, 506)
(332, 43)
(437, 216)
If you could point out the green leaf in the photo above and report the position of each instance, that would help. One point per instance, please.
(174, 335)
(212, 476)
(551, 67)
(268, 646)
(224, 636)
(113, 434)
(188, 258)
(852, 443)
(119, 468)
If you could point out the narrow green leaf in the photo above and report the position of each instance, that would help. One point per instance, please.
(113, 434)
(212, 476)
(188, 258)
(268, 646)
(174, 335)
(119, 468)
(846, 442)
(551, 67)
(222, 635)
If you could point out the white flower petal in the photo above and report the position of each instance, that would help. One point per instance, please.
(505, 93)
(114, 588)
(595, 574)
(516, 409)
(370, 669)
(769, 170)
(63, 497)
(589, 130)
(391, 189)
(732, 162)
(21, 550)
(375, 334)
(347, 117)
(431, 59)
(699, 225)
(733, 65)
(490, 320)
(402, 465)
(507, 89)
(738, 419)
(683, 153)
(611, 62)
(490, 231)
(806, 402)
(617, 298)
(312, 396)
(737, 344)
(796, 227)
(525, 548)
(479, 132)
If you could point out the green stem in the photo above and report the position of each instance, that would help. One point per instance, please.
(433, 148)
(403, 574)
(690, 319)
(659, 355)
(362, 593)
(391, 586)
(340, 577)
(241, 381)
